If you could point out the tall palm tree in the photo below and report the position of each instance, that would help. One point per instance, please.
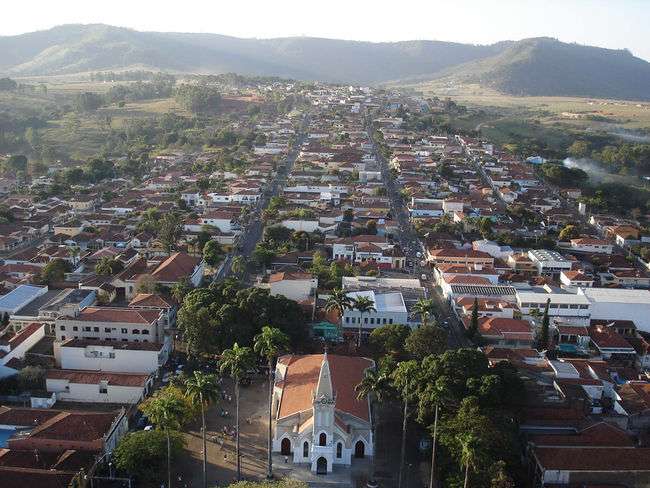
(270, 343)
(424, 307)
(404, 378)
(202, 389)
(74, 252)
(363, 305)
(165, 412)
(339, 301)
(468, 454)
(236, 362)
(238, 265)
(375, 383)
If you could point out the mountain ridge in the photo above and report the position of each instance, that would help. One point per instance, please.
(535, 66)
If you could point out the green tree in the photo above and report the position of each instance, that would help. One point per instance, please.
(425, 308)
(142, 453)
(213, 253)
(87, 102)
(362, 305)
(404, 378)
(236, 362)
(263, 255)
(580, 149)
(269, 344)
(375, 385)
(180, 290)
(16, 163)
(238, 265)
(569, 232)
(169, 231)
(340, 301)
(425, 341)
(203, 390)
(168, 409)
(390, 339)
(55, 270)
(107, 266)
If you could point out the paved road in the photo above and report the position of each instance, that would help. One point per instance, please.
(411, 244)
(252, 233)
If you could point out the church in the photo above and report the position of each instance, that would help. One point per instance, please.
(318, 420)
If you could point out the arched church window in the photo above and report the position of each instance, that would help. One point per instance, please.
(339, 450)
(305, 449)
(322, 439)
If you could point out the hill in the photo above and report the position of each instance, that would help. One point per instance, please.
(539, 66)
(547, 67)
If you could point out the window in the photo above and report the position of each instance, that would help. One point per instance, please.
(95, 329)
(322, 439)
(107, 330)
(390, 321)
(305, 449)
(103, 388)
(63, 338)
(347, 320)
(125, 331)
(75, 328)
(145, 332)
(135, 331)
(62, 327)
(86, 329)
(365, 320)
(372, 321)
(384, 321)
(339, 450)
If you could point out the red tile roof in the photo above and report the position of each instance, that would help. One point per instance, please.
(95, 377)
(176, 267)
(114, 314)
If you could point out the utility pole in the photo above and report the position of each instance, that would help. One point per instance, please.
(433, 451)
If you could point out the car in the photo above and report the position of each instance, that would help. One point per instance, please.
(148, 427)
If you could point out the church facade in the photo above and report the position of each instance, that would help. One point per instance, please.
(318, 419)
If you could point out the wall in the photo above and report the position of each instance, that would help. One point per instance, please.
(125, 361)
(79, 392)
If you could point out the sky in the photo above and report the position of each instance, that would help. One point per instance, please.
(614, 24)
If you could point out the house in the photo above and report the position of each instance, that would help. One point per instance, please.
(50, 430)
(487, 307)
(467, 257)
(492, 248)
(575, 279)
(318, 419)
(295, 286)
(610, 344)
(97, 386)
(633, 401)
(504, 332)
(549, 262)
(390, 308)
(15, 345)
(591, 245)
(113, 324)
(111, 356)
(619, 304)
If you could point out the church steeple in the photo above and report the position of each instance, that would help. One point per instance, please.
(324, 389)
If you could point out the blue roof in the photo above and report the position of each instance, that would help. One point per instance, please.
(19, 297)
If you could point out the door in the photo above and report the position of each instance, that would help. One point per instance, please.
(321, 466)
(359, 449)
(285, 447)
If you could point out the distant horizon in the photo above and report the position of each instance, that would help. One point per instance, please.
(602, 23)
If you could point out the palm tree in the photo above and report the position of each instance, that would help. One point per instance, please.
(377, 384)
(339, 301)
(363, 305)
(404, 379)
(74, 252)
(202, 389)
(236, 362)
(238, 265)
(165, 412)
(269, 344)
(468, 454)
(424, 307)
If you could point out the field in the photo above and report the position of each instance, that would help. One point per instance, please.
(554, 117)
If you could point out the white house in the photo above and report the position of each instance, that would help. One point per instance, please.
(493, 249)
(549, 262)
(591, 245)
(295, 286)
(97, 386)
(389, 309)
(113, 356)
(619, 304)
